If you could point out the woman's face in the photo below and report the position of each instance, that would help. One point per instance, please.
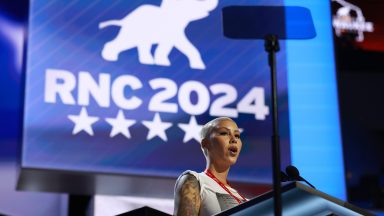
(223, 143)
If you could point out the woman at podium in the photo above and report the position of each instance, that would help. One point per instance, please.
(208, 192)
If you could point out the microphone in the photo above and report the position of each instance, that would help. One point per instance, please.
(284, 177)
(294, 174)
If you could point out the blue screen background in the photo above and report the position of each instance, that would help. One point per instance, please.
(70, 40)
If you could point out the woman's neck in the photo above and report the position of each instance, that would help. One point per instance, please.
(220, 172)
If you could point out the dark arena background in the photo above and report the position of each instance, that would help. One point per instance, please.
(101, 108)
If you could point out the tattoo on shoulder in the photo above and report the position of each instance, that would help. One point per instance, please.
(189, 196)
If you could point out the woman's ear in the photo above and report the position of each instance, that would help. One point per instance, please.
(205, 146)
(204, 143)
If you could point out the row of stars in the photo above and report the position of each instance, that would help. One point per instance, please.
(121, 125)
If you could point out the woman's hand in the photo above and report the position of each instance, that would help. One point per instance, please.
(187, 196)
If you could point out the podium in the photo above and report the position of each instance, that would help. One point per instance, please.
(297, 199)
(144, 211)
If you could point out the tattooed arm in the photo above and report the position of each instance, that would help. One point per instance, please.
(187, 196)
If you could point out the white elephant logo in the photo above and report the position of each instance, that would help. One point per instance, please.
(163, 25)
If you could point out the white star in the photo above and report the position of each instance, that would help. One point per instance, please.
(192, 130)
(120, 125)
(157, 128)
(83, 122)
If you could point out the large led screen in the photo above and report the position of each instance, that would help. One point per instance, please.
(124, 87)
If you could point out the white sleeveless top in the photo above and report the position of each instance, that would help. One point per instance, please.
(214, 198)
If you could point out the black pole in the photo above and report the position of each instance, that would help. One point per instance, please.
(272, 46)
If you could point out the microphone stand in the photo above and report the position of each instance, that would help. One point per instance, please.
(271, 45)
